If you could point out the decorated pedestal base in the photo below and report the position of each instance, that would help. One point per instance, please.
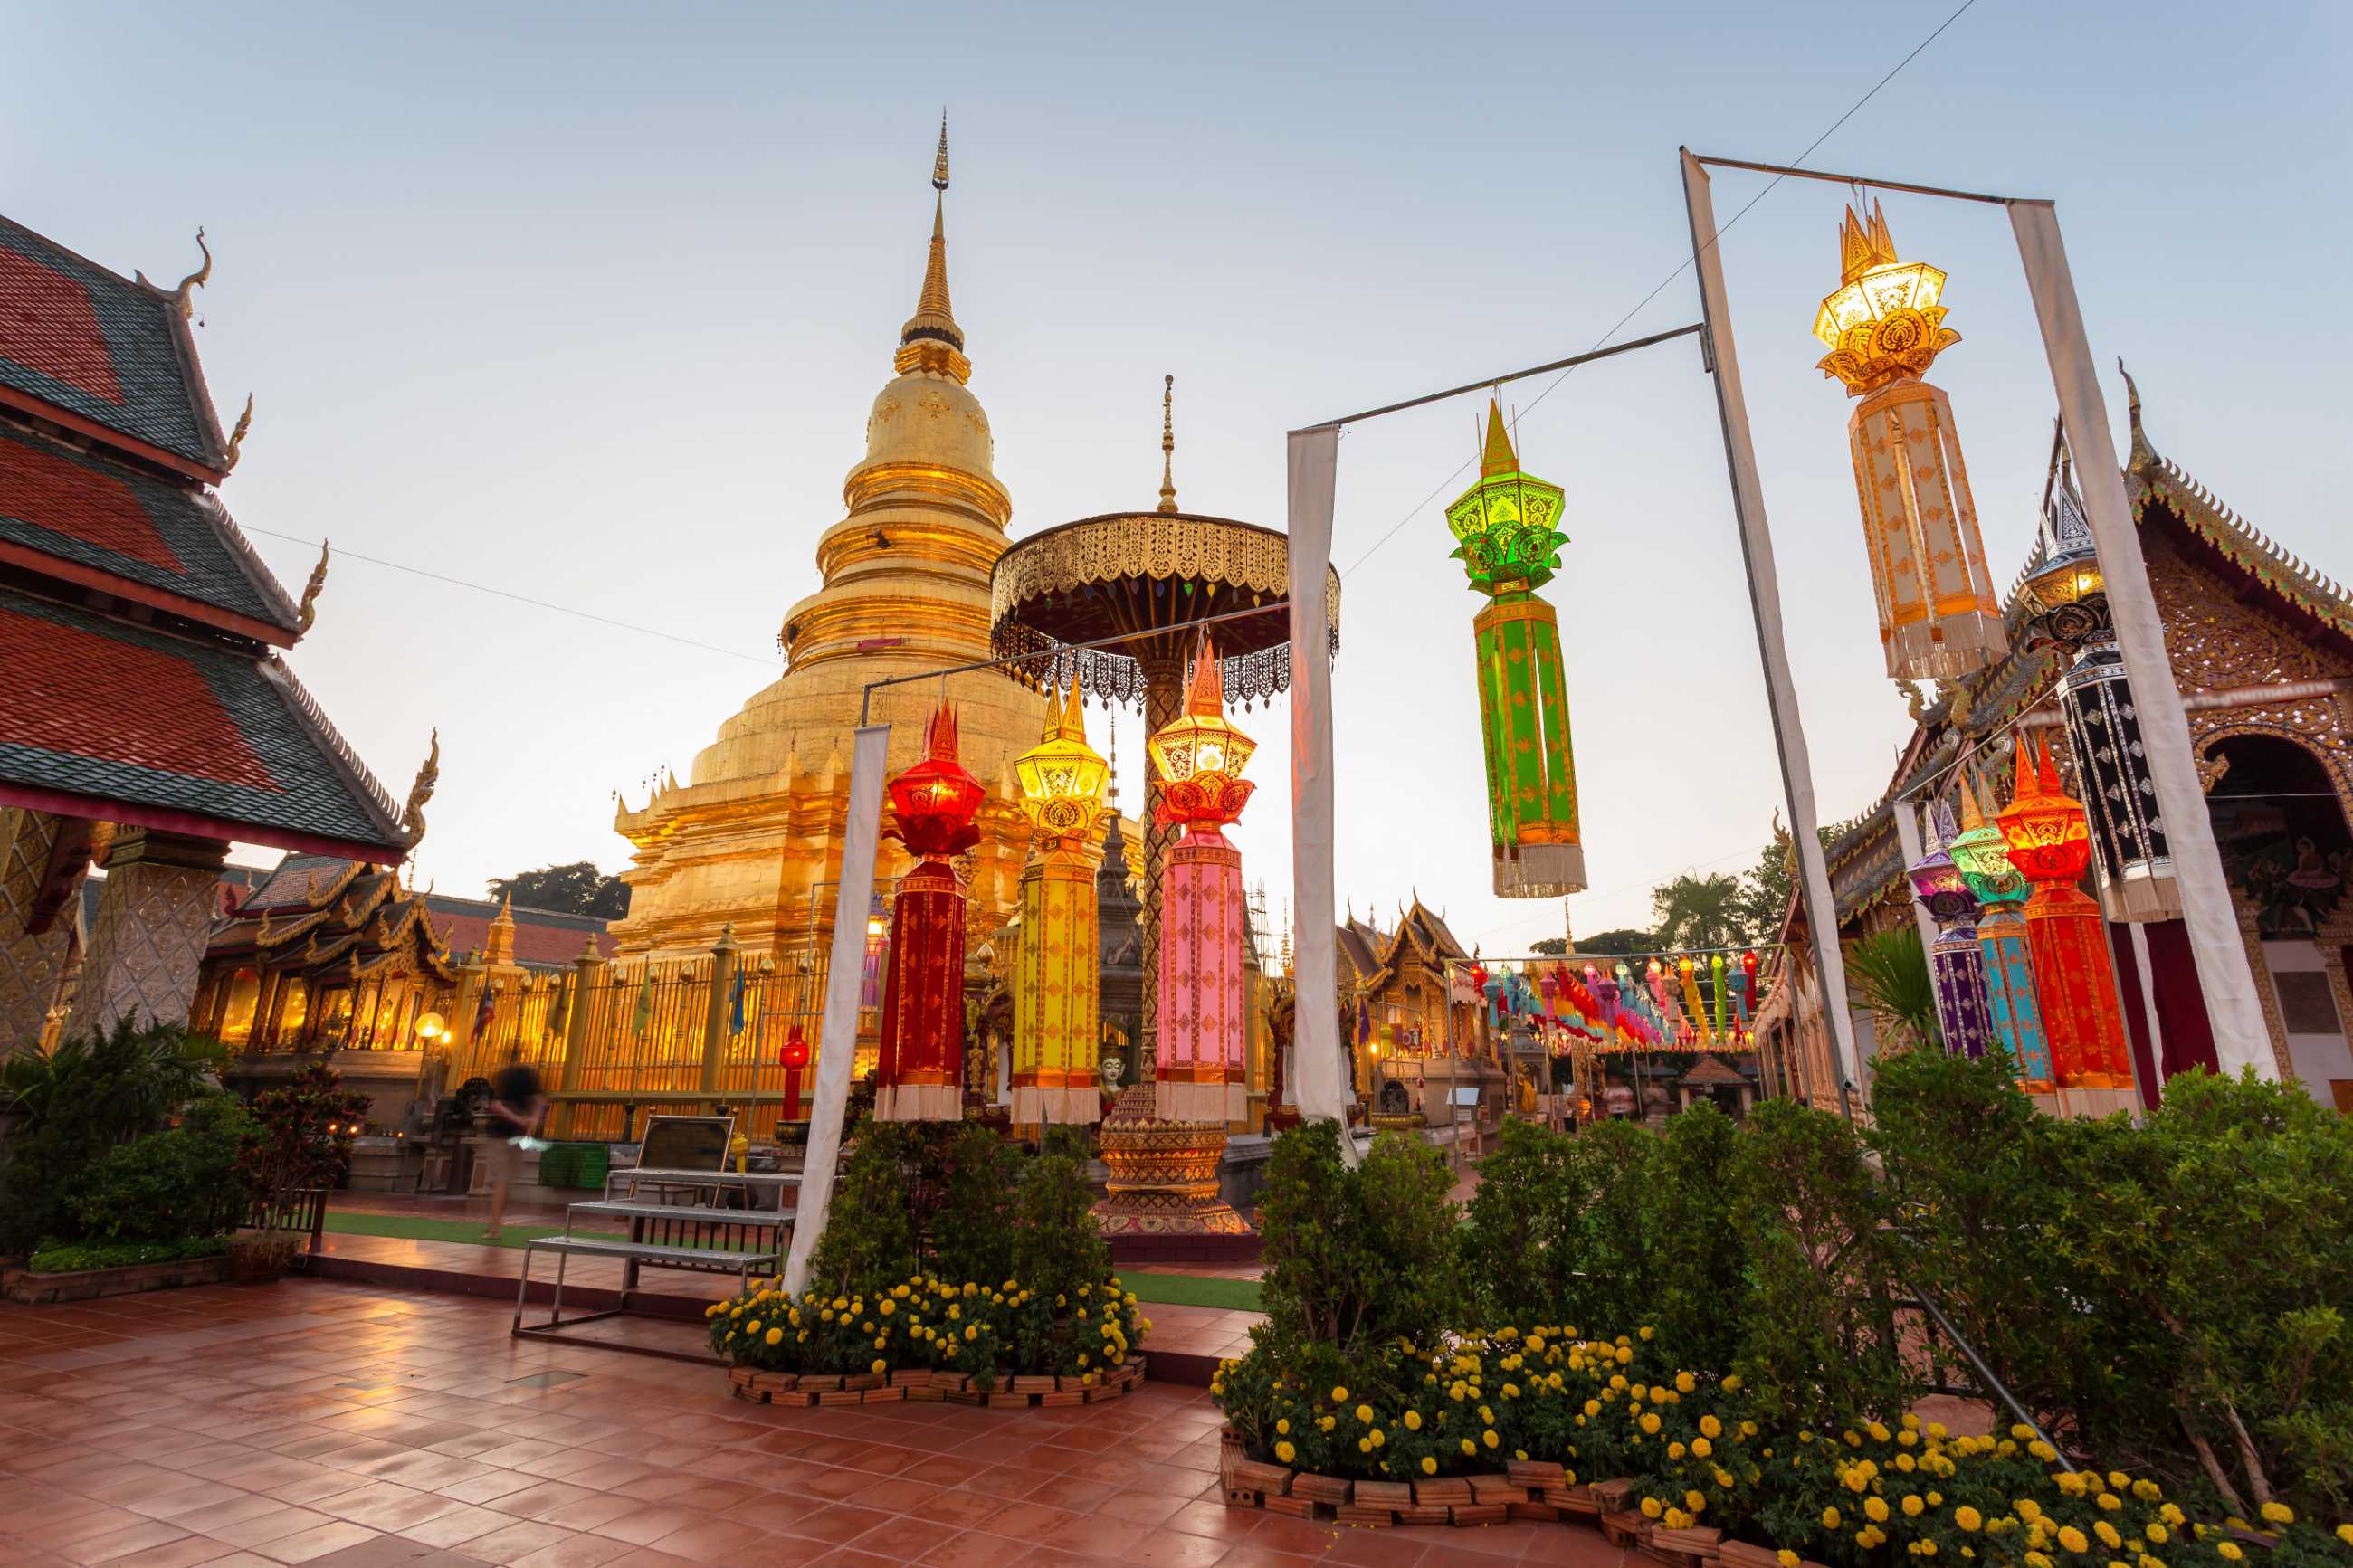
(1164, 1175)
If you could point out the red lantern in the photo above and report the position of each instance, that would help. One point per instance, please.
(919, 1072)
(2075, 973)
(793, 1056)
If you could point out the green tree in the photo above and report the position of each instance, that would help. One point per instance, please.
(1616, 943)
(1890, 971)
(575, 889)
(1698, 913)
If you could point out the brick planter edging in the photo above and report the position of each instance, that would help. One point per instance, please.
(31, 1290)
(1529, 1490)
(924, 1384)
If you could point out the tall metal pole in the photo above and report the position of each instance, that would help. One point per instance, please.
(1764, 597)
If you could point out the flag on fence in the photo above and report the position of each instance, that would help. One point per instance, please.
(483, 1010)
(644, 1016)
(736, 1013)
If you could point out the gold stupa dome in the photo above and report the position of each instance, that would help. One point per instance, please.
(927, 420)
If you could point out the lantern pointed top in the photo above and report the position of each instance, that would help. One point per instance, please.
(2027, 786)
(1067, 720)
(1499, 458)
(1861, 245)
(942, 737)
(2047, 771)
(1972, 815)
(1204, 691)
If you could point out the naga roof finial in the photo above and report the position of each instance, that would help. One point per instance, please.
(2143, 456)
(196, 280)
(236, 436)
(429, 777)
(308, 611)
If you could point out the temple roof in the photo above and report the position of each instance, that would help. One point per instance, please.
(1709, 1073)
(105, 524)
(103, 351)
(102, 718)
(324, 908)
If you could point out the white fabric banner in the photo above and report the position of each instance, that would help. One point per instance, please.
(2241, 1036)
(845, 973)
(1322, 1087)
(1765, 598)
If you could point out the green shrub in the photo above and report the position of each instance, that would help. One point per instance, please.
(1357, 1256)
(170, 1186)
(876, 1239)
(1701, 1301)
(77, 1256)
(972, 1229)
(78, 1101)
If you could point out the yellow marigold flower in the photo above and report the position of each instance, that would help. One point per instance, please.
(1428, 1466)
(1364, 1444)
(2109, 1502)
(2148, 1491)
(880, 1366)
(1787, 1558)
(1645, 1332)
(1912, 1505)
(1685, 1383)
(1710, 1427)
(1905, 1463)
(2157, 1533)
(1650, 1422)
(1875, 1509)
(752, 1327)
(1702, 1447)
(1469, 1446)
(2229, 1551)
(1675, 1450)
(2345, 1533)
(2028, 1509)
(2107, 1534)
(1878, 1432)
(1678, 1520)
(1365, 1414)
(1830, 1519)
(1593, 1407)
(2073, 1539)
(1968, 1518)
(2172, 1515)
(2278, 1513)
(1286, 1452)
(1339, 1394)
(2042, 1450)
(972, 1330)
(774, 1336)
(1626, 1352)
(1490, 1438)
(2036, 1560)
(1653, 1508)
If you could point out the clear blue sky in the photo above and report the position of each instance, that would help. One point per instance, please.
(589, 301)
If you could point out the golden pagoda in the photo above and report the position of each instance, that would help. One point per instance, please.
(753, 836)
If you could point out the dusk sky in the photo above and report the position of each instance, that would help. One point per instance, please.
(587, 303)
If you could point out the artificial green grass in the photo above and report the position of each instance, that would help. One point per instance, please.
(1159, 1289)
(1193, 1290)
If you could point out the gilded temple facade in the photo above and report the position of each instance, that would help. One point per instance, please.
(753, 838)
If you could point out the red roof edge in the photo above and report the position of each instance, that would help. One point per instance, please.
(195, 824)
(91, 431)
(64, 571)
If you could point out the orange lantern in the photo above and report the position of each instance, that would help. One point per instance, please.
(2075, 973)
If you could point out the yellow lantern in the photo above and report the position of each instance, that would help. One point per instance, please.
(1063, 777)
(1939, 614)
(1058, 976)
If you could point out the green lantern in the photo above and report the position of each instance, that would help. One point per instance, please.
(1509, 544)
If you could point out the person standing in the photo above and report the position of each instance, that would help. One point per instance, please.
(517, 1103)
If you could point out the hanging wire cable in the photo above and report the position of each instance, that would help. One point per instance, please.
(1680, 267)
(506, 594)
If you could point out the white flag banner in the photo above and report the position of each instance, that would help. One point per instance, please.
(844, 975)
(2241, 1039)
(1323, 1087)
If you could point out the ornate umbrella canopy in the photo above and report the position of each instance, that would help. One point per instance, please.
(1125, 573)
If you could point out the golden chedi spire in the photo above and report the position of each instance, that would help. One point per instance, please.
(931, 339)
(1167, 444)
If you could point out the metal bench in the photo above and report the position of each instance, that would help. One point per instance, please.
(699, 1238)
(752, 1183)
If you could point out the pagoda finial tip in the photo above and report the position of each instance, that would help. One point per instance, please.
(940, 164)
(1167, 443)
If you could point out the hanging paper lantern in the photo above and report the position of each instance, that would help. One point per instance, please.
(1204, 1023)
(1955, 962)
(1983, 856)
(1508, 527)
(2069, 598)
(1939, 614)
(1057, 980)
(793, 1056)
(2074, 974)
(919, 1074)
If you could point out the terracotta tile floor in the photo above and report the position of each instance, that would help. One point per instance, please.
(318, 1422)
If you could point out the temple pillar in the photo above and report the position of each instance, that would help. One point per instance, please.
(35, 936)
(147, 942)
(586, 970)
(725, 955)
